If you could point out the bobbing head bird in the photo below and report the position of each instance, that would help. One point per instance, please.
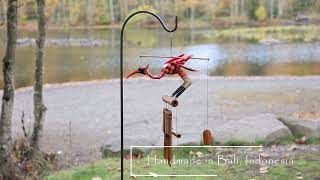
(172, 66)
(175, 65)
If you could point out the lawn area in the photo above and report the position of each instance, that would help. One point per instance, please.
(304, 166)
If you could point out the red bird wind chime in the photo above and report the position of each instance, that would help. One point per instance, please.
(175, 65)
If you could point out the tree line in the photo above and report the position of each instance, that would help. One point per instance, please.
(106, 12)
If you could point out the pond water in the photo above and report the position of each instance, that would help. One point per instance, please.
(76, 63)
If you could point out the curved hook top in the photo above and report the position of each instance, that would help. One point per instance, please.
(156, 16)
(121, 69)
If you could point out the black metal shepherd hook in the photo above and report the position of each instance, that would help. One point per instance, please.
(121, 67)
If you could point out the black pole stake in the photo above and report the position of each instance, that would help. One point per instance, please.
(121, 67)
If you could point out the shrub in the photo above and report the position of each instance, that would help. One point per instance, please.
(261, 13)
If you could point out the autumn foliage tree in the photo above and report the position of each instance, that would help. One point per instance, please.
(104, 12)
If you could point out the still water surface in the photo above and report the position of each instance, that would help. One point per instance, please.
(76, 63)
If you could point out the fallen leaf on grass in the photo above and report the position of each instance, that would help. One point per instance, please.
(134, 156)
(299, 175)
(113, 169)
(302, 140)
(292, 147)
(264, 169)
(200, 154)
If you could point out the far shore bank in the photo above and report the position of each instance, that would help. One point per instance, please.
(267, 35)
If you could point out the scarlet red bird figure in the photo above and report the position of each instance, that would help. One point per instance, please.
(173, 66)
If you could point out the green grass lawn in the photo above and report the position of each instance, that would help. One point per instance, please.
(306, 166)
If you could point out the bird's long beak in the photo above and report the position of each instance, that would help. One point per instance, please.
(188, 57)
(133, 73)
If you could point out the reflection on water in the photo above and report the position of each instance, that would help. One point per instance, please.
(64, 64)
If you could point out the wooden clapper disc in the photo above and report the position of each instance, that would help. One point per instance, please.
(207, 137)
(167, 130)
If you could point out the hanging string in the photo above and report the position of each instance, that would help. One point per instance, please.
(171, 43)
(177, 150)
(177, 124)
(140, 62)
(207, 89)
